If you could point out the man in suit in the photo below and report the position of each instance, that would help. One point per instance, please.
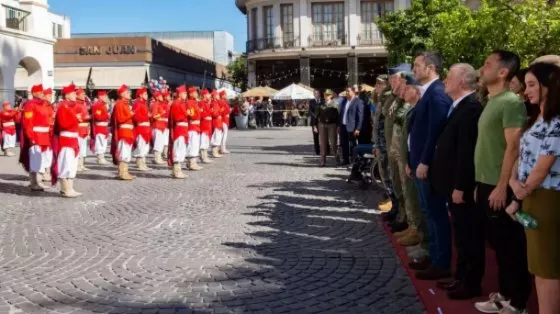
(313, 104)
(426, 124)
(453, 176)
(352, 113)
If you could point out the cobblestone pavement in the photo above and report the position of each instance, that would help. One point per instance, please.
(261, 231)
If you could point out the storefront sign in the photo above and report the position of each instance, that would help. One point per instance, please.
(109, 50)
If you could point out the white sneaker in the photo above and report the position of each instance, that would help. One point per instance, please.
(490, 305)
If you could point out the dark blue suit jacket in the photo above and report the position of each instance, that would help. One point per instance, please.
(426, 124)
(355, 114)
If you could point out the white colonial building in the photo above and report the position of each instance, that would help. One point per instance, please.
(28, 32)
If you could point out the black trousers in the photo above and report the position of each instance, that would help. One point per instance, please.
(352, 143)
(507, 239)
(468, 230)
(344, 144)
(316, 145)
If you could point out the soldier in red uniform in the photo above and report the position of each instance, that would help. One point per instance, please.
(142, 128)
(193, 110)
(47, 96)
(217, 124)
(8, 118)
(83, 131)
(167, 102)
(226, 110)
(36, 137)
(123, 133)
(66, 131)
(205, 125)
(160, 116)
(100, 127)
(178, 132)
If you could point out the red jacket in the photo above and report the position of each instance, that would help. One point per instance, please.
(160, 115)
(206, 117)
(8, 120)
(226, 110)
(179, 119)
(68, 118)
(142, 120)
(100, 118)
(194, 115)
(217, 115)
(83, 131)
(36, 123)
(123, 120)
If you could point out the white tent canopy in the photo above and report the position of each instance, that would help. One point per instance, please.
(294, 92)
(230, 93)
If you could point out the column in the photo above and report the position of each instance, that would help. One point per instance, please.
(251, 73)
(353, 22)
(352, 61)
(305, 72)
(304, 23)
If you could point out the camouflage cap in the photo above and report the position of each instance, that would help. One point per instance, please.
(382, 78)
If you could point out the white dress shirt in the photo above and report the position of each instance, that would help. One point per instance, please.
(425, 87)
(345, 115)
(457, 101)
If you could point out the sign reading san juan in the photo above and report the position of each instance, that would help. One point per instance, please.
(109, 50)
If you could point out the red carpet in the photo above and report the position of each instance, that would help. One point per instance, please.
(435, 300)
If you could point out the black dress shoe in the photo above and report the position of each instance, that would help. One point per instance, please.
(433, 273)
(398, 227)
(461, 292)
(420, 265)
(447, 284)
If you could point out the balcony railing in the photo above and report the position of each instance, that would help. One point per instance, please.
(259, 44)
(371, 39)
(16, 18)
(327, 41)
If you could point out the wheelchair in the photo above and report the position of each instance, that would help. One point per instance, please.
(365, 170)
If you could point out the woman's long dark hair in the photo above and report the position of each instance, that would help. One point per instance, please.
(548, 75)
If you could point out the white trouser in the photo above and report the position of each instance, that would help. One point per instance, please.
(161, 139)
(67, 163)
(204, 141)
(142, 148)
(193, 149)
(217, 137)
(82, 142)
(48, 158)
(179, 149)
(224, 137)
(100, 144)
(9, 140)
(125, 151)
(38, 160)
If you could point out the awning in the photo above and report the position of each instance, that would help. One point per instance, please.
(65, 76)
(113, 77)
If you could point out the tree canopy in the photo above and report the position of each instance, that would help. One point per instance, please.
(237, 71)
(530, 28)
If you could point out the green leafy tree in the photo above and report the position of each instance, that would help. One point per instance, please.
(238, 72)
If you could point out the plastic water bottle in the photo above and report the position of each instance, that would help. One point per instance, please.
(526, 220)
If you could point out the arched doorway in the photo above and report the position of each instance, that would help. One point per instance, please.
(28, 73)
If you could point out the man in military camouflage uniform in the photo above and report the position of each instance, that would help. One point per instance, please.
(416, 230)
(382, 94)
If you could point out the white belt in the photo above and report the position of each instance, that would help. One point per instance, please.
(182, 124)
(208, 118)
(144, 124)
(195, 122)
(41, 129)
(162, 119)
(84, 124)
(8, 124)
(102, 123)
(126, 126)
(69, 134)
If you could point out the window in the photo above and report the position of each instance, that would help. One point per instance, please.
(60, 32)
(57, 30)
(16, 19)
(287, 24)
(268, 24)
(254, 23)
(54, 29)
(369, 12)
(328, 21)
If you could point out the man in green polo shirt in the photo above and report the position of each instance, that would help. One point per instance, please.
(497, 149)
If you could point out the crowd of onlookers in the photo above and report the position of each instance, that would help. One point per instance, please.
(468, 160)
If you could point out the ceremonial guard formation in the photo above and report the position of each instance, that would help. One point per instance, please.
(54, 140)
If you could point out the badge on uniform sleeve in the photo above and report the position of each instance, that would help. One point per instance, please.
(28, 114)
(98, 112)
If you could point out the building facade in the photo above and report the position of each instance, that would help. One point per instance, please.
(108, 62)
(28, 32)
(216, 46)
(320, 43)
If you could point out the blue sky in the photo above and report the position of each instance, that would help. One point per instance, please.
(117, 16)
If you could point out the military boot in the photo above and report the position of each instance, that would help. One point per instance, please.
(216, 152)
(123, 172)
(34, 182)
(157, 158)
(204, 157)
(177, 172)
(101, 160)
(193, 165)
